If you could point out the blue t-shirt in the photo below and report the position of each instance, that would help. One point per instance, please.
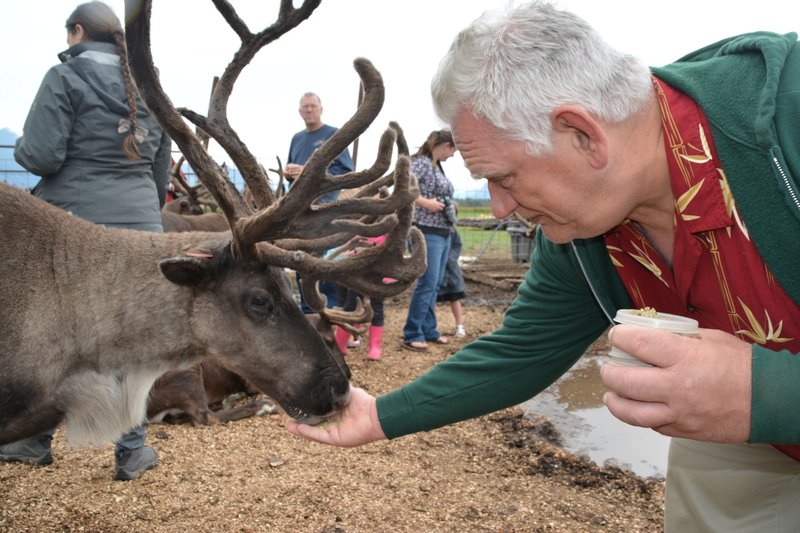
(304, 143)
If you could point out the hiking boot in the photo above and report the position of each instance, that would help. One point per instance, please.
(131, 463)
(36, 450)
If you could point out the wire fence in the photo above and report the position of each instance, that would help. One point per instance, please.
(485, 239)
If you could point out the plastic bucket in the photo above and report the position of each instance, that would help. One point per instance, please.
(677, 324)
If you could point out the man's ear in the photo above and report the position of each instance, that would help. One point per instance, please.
(586, 135)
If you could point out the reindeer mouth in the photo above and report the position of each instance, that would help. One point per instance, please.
(301, 416)
(304, 418)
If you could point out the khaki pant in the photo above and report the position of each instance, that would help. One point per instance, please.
(731, 488)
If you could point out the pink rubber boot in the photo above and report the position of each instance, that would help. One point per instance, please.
(342, 337)
(375, 337)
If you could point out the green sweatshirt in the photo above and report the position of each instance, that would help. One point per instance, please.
(572, 291)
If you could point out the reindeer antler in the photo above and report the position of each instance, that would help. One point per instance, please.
(353, 244)
(293, 225)
(279, 190)
(177, 177)
(402, 145)
(193, 193)
(294, 218)
(377, 186)
(346, 320)
(137, 36)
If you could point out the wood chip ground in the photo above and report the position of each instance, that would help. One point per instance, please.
(492, 474)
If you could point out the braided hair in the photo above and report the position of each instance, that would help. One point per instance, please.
(100, 24)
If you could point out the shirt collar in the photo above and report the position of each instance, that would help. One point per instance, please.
(702, 196)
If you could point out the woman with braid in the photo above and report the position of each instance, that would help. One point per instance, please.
(102, 157)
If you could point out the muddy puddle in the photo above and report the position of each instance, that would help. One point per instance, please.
(574, 406)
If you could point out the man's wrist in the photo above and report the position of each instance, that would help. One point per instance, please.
(377, 430)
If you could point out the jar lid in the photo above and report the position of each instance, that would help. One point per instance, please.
(673, 323)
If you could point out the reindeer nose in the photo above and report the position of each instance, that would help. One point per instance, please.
(342, 401)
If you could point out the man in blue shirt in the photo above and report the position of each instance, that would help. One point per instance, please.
(304, 143)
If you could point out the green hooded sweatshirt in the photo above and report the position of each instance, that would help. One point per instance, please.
(749, 88)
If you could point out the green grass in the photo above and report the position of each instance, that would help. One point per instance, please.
(474, 212)
(474, 240)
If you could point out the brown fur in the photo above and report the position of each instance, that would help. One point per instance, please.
(197, 395)
(93, 316)
(189, 395)
(174, 223)
(183, 205)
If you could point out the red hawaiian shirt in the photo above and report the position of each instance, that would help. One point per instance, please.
(718, 277)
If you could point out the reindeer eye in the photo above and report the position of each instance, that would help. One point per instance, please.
(259, 304)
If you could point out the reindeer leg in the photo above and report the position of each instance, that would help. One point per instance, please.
(254, 408)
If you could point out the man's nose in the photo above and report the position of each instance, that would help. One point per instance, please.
(503, 204)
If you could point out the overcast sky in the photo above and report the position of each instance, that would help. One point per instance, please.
(404, 40)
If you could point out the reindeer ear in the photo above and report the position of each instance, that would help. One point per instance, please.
(188, 271)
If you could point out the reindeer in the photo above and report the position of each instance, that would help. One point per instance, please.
(193, 197)
(183, 205)
(175, 223)
(92, 317)
(186, 213)
(199, 395)
(202, 394)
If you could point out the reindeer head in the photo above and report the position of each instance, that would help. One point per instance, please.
(194, 197)
(289, 232)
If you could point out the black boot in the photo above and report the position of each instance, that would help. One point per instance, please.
(35, 450)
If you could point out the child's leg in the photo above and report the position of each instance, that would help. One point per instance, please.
(455, 307)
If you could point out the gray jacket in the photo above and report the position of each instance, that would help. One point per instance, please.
(71, 140)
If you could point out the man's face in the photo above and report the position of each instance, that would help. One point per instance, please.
(311, 111)
(561, 191)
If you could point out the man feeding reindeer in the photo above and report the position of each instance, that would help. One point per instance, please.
(675, 188)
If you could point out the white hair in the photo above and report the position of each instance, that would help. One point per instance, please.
(515, 65)
(309, 94)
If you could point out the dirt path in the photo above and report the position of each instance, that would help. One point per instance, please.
(492, 474)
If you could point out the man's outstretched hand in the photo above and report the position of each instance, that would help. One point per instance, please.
(354, 425)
